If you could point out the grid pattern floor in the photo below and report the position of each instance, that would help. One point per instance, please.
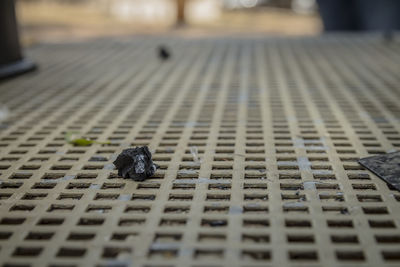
(257, 142)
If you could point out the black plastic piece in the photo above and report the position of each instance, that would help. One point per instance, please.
(387, 167)
(135, 163)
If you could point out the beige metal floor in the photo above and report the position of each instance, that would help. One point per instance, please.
(257, 140)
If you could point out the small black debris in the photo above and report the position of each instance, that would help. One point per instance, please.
(163, 53)
(344, 211)
(386, 167)
(135, 163)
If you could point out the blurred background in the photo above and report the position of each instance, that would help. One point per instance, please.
(59, 20)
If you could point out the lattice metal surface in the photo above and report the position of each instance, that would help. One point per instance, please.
(257, 139)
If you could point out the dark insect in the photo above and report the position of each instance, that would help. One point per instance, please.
(163, 53)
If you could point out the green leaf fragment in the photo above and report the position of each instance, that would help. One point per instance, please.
(81, 142)
(74, 139)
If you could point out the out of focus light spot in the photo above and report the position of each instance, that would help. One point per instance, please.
(304, 6)
(203, 10)
(142, 10)
(249, 3)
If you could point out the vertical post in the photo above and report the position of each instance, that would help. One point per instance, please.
(180, 12)
(11, 59)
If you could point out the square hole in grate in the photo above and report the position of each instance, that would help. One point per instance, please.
(70, 252)
(137, 209)
(50, 221)
(340, 223)
(381, 224)
(39, 236)
(12, 221)
(123, 236)
(77, 236)
(218, 197)
(143, 197)
(303, 255)
(126, 222)
(20, 176)
(208, 254)
(375, 210)
(27, 251)
(70, 196)
(300, 238)
(216, 209)
(255, 197)
(343, 238)
(173, 222)
(297, 223)
(90, 221)
(256, 254)
(211, 237)
(106, 196)
(183, 186)
(167, 237)
(387, 239)
(114, 252)
(342, 255)
(214, 222)
(369, 198)
(167, 253)
(10, 185)
(391, 255)
(60, 208)
(5, 235)
(255, 223)
(98, 209)
(255, 238)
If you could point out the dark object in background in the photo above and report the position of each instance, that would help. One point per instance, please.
(135, 163)
(360, 15)
(387, 167)
(11, 60)
(163, 53)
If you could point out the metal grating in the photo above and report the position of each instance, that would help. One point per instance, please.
(257, 140)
